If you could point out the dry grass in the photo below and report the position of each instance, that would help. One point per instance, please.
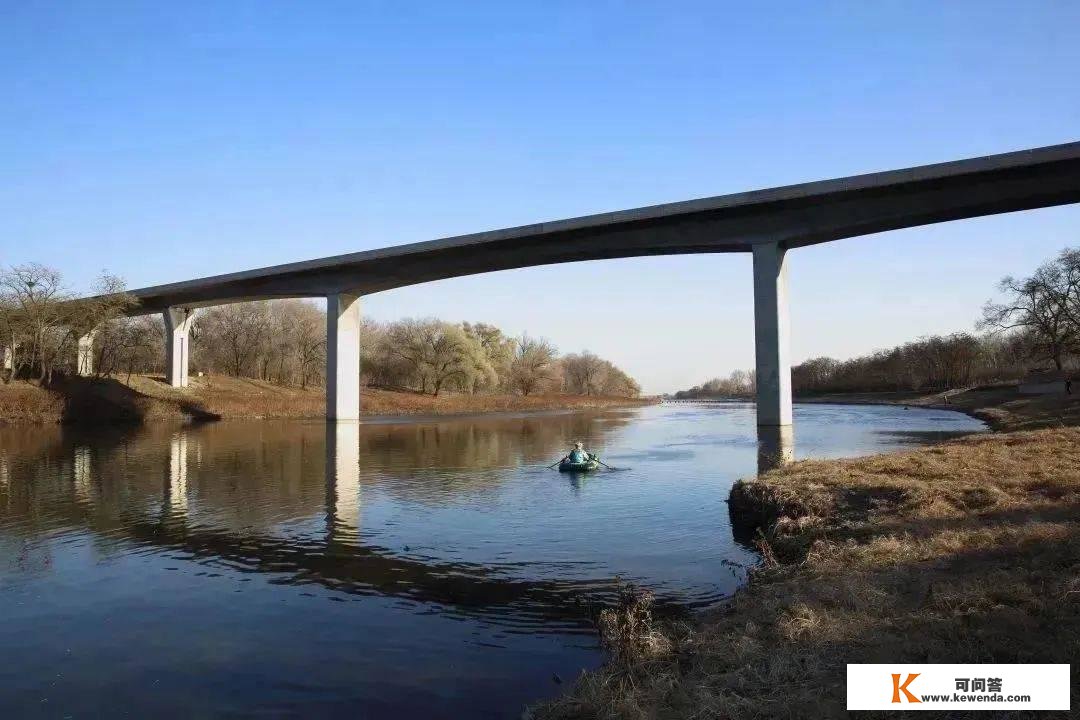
(26, 403)
(148, 398)
(230, 397)
(389, 402)
(628, 630)
(964, 552)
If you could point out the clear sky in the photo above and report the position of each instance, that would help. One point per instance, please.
(167, 141)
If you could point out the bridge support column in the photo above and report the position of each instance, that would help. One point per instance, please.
(776, 447)
(772, 327)
(177, 340)
(342, 357)
(84, 360)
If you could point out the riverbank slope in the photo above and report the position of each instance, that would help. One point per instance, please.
(147, 398)
(967, 551)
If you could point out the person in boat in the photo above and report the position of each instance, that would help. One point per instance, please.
(579, 454)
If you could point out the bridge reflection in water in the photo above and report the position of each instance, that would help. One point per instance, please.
(431, 569)
(256, 504)
(343, 478)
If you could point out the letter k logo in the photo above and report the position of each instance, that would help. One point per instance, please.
(897, 688)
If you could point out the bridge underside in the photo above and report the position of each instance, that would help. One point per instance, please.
(768, 223)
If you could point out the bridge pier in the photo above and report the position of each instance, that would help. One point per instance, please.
(177, 340)
(342, 356)
(772, 331)
(84, 360)
(776, 447)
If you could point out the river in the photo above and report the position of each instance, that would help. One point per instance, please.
(430, 569)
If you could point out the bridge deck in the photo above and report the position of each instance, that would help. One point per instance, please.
(793, 216)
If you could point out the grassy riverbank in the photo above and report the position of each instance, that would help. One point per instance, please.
(963, 552)
(148, 398)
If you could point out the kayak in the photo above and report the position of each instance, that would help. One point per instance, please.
(587, 466)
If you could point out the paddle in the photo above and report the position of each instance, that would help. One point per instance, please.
(594, 458)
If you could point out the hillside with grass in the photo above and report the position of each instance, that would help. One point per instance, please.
(147, 398)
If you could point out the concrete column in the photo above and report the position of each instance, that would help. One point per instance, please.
(772, 336)
(342, 357)
(7, 359)
(776, 447)
(84, 362)
(177, 339)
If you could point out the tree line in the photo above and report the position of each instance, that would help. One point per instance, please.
(40, 325)
(1033, 325)
(283, 342)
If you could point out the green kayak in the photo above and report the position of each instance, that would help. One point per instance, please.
(567, 466)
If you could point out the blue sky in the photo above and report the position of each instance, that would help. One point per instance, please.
(166, 141)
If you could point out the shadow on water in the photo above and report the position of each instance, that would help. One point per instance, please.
(921, 437)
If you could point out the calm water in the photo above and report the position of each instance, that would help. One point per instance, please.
(431, 569)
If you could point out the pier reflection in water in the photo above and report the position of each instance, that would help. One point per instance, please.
(343, 476)
(178, 491)
(429, 569)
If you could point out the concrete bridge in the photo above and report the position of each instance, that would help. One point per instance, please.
(767, 223)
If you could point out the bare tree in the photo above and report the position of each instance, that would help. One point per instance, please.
(739, 384)
(1069, 262)
(583, 373)
(102, 313)
(234, 335)
(532, 365)
(618, 383)
(439, 354)
(40, 320)
(130, 345)
(498, 350)
(309, 343)
(1040, 305)
(34, 297)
